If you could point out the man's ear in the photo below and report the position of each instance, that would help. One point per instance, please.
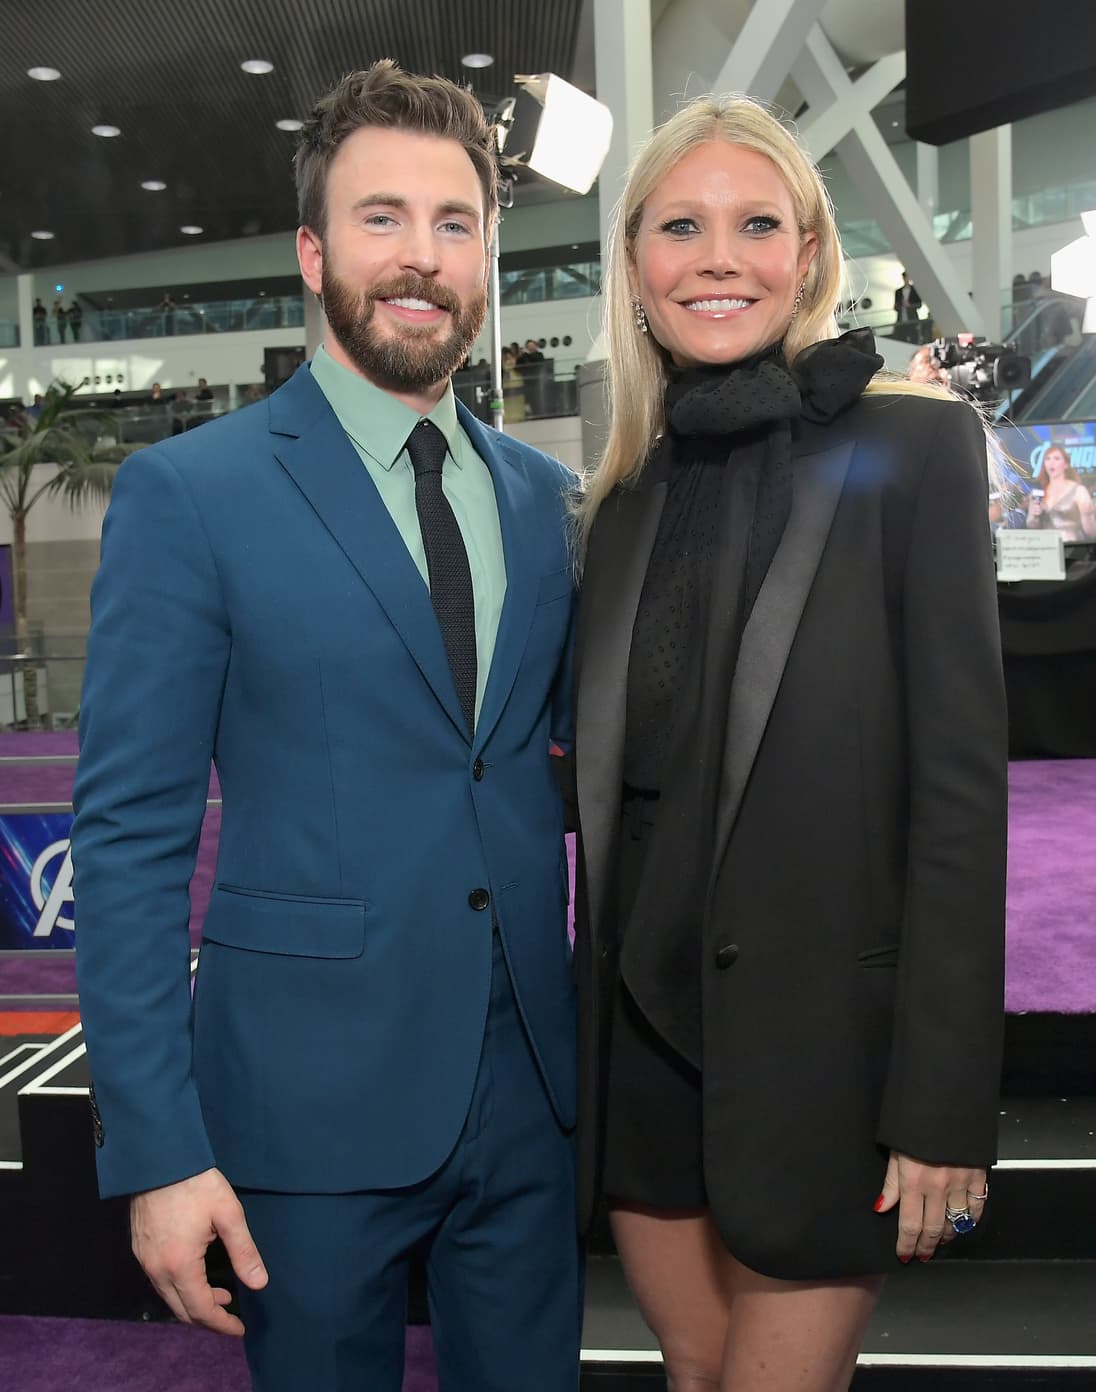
(310, 258)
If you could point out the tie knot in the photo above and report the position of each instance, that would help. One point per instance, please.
(427, 448)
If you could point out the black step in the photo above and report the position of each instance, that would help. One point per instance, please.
(947, 1323)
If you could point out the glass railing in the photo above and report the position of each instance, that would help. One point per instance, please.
(9, 333)
(212, 316)
(40, 678)
(537, 284)
(534, 391)
(864, 237)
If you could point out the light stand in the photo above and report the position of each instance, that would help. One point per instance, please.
(560, 133)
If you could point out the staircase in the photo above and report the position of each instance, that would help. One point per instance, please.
(1009, 1308)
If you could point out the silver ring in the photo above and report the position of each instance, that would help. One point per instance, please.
(960, 1219)
(980, 1198)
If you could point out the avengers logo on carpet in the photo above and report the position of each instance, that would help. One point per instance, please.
(36, 907)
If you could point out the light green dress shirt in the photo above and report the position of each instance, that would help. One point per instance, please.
(378, 426)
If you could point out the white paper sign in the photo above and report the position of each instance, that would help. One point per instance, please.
(1024, 555)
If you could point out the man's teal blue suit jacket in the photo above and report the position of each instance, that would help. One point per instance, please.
(256, 606)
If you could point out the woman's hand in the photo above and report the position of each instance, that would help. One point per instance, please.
(922, 1193)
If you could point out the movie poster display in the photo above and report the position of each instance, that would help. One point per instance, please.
(36, 909)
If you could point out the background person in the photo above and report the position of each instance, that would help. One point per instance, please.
(790, 907)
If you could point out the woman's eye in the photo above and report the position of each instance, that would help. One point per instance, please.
(678, 227)
(762, 224)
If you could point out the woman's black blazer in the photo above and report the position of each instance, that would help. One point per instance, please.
(853, 957)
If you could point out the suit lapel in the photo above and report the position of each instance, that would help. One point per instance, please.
(769, 633)
(519, 524)
(313, 449)
(625, 531)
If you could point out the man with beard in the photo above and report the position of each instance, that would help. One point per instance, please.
(357, 601)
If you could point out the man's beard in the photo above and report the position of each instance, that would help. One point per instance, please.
(412, 359)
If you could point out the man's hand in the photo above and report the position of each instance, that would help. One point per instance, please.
(171, 1229)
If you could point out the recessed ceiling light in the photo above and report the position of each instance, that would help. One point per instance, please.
(289, 123)
(256, 65)
(477, 60)
(107, 132)
(894, 123)
(42, 236)
(191, 229)
(153, 185)
(43, 74)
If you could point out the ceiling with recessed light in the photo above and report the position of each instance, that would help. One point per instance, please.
(167, 74)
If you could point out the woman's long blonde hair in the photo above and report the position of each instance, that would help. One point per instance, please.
(636, 366)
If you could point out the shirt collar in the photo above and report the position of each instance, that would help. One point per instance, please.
(376, 422)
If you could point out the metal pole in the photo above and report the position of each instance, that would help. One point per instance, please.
(496, 330)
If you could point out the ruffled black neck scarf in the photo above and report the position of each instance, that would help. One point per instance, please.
(739, 418)
(825, 380)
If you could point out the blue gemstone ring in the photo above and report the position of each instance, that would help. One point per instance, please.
(961, 1220)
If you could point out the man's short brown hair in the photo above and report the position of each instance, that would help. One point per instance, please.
(384, 95)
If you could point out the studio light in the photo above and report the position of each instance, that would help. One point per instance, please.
(1073, 270)
(106, 132)
(153, 185)
(556, 130)
(44, 74)
(289, 123)
(563, 135)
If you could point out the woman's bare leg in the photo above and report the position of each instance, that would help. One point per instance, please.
(725, 1328)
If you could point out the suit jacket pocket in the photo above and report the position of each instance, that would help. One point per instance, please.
(885, 956)
(293, 925)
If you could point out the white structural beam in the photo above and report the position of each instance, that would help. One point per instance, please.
(622, 47)
(991, 222)
(867, 159)
(767, 46)
(24, 292)
(928, 179)
(823, 131)
(315, 322)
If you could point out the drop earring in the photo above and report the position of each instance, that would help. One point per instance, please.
(640, 314)
(798, 299)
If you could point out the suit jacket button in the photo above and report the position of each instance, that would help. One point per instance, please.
(477, 770)
(726, 956)
(478, 900)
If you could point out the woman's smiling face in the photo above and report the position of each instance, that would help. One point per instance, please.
(718, 255)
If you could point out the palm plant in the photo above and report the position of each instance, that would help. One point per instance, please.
(81, 446)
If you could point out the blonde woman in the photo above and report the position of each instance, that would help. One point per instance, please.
(791, 765)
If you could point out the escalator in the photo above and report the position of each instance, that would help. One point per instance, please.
(1063, 370)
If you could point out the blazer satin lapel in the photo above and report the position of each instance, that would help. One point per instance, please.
(518, 523)
(627, 525)
(770, 631)
(326, 468)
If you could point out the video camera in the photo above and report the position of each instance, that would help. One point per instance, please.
(983, 371)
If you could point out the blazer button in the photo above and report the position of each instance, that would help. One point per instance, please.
(478, 900)
(726, 956)
(477, 770)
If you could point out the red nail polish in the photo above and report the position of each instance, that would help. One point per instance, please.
(906, 1259)
(924, 1259)
(878, 1204)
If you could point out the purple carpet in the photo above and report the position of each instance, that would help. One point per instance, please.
(1051, 964)
(57, 1355)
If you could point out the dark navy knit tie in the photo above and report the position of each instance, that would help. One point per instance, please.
(446, 563)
